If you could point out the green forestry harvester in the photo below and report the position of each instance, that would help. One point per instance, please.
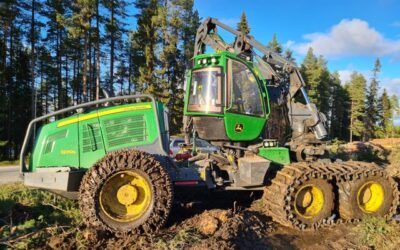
(251, 103)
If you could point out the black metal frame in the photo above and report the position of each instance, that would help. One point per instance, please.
(32, 124)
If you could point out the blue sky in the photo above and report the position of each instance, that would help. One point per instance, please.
(350, 34)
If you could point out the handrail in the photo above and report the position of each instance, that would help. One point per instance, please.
(73, 108)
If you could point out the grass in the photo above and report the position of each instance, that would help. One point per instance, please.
(28, 218)
(395, 156)
(377, 233)
(9, 163)
(32, 219)
(184, 238)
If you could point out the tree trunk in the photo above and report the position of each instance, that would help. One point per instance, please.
(66, 80)
(129, 70)
(97, 52)
(89, 82)
(73, 81)
(84, 71)
(59, 80)
(112, 50)
(351, 122)
(33, 61)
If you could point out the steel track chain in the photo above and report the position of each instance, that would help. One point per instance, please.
(277, 196)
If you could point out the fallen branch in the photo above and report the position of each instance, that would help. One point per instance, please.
(17, 238)
(55, 207)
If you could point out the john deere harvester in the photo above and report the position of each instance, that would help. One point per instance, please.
(247, 100)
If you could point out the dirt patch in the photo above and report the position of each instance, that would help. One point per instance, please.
(207, 221)
(217, 229)
(387, 143)
(213, 229)
(335, 237)
(224, 229)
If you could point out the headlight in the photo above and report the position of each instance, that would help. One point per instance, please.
(270, 143)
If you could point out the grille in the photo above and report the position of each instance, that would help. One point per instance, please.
(125, 130)
(91, 138)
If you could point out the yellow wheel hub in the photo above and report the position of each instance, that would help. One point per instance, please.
(309, 201)
(125, 196)
(370, 197)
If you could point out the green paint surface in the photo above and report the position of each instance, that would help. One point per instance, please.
(252, 126)
(56, 145)
(276, 155)
(82, 139)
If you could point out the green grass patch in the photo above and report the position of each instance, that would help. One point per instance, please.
(28, 217)
(9, 163)
(377, 233)
(182, 239)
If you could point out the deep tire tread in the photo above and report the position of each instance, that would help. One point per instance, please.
(120, 160)
(278, 196)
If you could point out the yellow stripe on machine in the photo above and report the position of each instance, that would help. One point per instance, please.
(103, 113)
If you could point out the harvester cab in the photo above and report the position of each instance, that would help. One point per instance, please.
(228, 98)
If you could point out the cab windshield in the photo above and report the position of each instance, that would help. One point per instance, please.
(205, 91)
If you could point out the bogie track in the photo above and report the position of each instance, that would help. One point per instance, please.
(280, 197)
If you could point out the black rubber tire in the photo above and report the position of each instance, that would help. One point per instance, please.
(147, 166)
(348, 191)
(328, 206)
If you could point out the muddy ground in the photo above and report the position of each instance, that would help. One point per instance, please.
(199, 220)
(218, 221)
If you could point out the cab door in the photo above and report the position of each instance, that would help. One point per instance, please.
(245, 115)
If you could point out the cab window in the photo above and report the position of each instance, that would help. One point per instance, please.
(206, 91)
(244, 96)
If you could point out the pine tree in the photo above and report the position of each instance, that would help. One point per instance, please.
(371, 112)
(59, 42)
(324, 87)
(146, 36)
(394, 102)
(135, 55)
(15, 76)
(33, 37)
(115, 27)
(190, 23)
(169, 25)
(357, 93)
(274, 45)
(80, 25)
(317, 78)
(243, 25)
(97, 40)
(339, 117)
(289, 55)
(386, 114)
(57, 45)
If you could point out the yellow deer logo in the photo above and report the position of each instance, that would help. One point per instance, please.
(239, 128)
